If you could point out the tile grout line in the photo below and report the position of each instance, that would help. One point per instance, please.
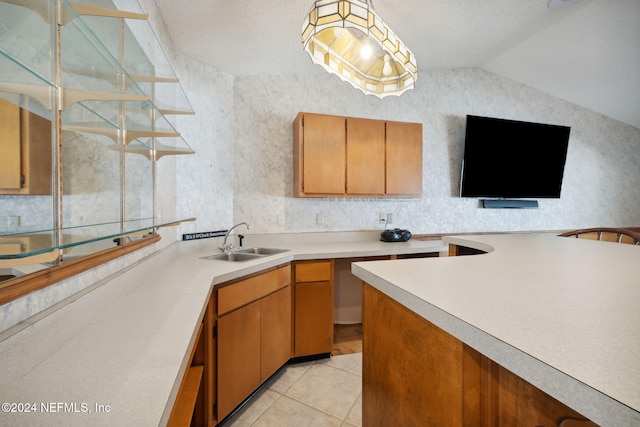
(282, 394)
(267, 409)
(343, 420)
(351, 409)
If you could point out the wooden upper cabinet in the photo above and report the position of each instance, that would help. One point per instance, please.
(10, 169)
(404, 158)
(25, 151)
(321, 154)
(352, 157)
(365, 156)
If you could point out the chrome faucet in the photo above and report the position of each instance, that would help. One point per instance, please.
(226, 247)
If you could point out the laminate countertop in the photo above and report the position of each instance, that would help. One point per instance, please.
(116, 355)
(561, 313)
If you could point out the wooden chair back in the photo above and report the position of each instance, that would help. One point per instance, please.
(618, 235)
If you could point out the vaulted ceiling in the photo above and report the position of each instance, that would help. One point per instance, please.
(587, 52)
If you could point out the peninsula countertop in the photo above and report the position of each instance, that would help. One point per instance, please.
(116, 355)
(561, 313)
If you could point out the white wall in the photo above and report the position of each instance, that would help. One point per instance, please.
(600, 185)
(204, 180)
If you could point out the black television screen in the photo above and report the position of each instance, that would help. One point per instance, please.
(513, 159)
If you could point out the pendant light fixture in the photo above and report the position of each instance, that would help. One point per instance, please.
(350, 40)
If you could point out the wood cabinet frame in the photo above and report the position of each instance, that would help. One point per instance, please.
(25, 147)
(416, 374)
(253, 331)
(313, 295)
(336, 156)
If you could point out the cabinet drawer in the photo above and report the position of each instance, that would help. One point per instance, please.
(313, 272)
(245, 291)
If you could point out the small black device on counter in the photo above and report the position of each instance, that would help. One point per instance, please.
(395, 235)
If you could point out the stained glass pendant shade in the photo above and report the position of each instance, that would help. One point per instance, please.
(349, 39)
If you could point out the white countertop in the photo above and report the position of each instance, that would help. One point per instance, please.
(562, 313)
(137, 330)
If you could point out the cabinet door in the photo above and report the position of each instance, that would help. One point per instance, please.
(275, 324)
(411, 370)
(313, 313)
(211, 361)
(25, 151)
(36, 145)
(365, 156)
(313, 318)
(324, 154)
(404, 158)
(10, 169)
(238, 357)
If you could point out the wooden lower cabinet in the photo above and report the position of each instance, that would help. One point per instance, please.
(238, 356)
(275, 332)
(190, 406)
(415, 374)
(313, 316)
(253, 335)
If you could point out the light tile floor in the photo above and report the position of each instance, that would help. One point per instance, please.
(323, 393)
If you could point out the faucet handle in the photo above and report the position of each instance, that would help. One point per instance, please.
(226, 247)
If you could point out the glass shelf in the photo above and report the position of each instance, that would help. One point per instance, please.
(168, 93)
(18, 80)
(92, 64)
(40, 242)
(171, 147)
(143, 56)
(100, 118)
(101, 72)
(89, 67)
(25, 38)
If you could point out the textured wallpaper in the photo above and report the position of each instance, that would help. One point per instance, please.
(600, 183)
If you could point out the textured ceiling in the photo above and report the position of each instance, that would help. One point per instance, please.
(587, 53)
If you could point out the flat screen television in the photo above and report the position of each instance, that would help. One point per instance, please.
(513, 159)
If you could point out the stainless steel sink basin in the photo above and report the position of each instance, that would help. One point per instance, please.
(262, 251)
(233, 257)
(245, 254)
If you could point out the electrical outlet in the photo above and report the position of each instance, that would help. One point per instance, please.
(319, 219)
(389, 218)
(382, 218)
(280, 220)
(14, 221)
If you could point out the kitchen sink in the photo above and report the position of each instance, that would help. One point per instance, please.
(233, 257)
(262, 251)
(245, 254)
